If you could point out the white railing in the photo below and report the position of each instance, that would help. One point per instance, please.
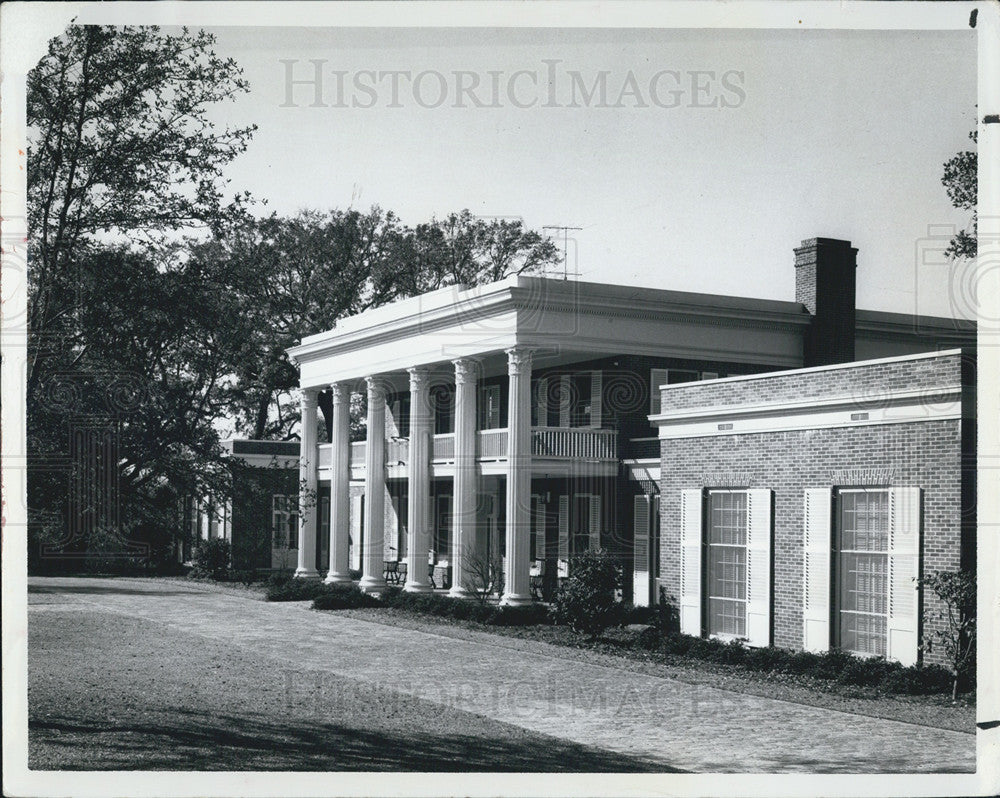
(358, 454)
(492, 444)
(397, 450)
(574, 443)
(324, 455)
(444, 447)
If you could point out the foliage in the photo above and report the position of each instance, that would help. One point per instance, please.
(463, 610)
(291, 589)
(586, 601)
(957, 591)
(343, 597)
(212, 559)
(961, 182)
(484, 576)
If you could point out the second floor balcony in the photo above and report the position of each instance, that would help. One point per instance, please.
(552, 448)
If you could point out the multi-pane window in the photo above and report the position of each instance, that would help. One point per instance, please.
(489, 407)
(726, 572)
(285, 521)
(861, 563)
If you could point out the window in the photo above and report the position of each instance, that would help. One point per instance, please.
(489, 407)
(725, 561)
(861, 563)
(443, 397)
(726, 574)
(285, 521)
(323, 530)
(579, 410)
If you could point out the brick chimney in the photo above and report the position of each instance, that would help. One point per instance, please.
(825, 282)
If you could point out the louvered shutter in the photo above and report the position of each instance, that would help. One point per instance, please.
(563, 535)
(596, 391)
(543, 402)
(657, 377)
(640, 552)
(692, 536)
(759, 533)
(816, 569)
(904, 553)
(595, 523)
(564, 400)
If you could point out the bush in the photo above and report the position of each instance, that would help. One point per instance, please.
(343, 597)
(464, 610)
(629, 614)
(586, 601)
(211, 559)
(296, 590)
(526, 615)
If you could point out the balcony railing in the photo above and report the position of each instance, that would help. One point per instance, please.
(569, 443)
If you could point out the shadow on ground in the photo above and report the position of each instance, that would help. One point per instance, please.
(191, 740)
(117, 589)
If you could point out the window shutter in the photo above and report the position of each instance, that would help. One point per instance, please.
(595, 398)
(564, 400)
(657, 377)
(816, 569)
(640, 552)
(563, 534)
(595, 523)
(759, 533)
(691, 545)
(904, 563)
(543, 402)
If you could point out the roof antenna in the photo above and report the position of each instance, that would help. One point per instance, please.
(565, 231)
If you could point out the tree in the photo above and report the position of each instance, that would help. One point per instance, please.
(123, 157)
(956, 638)
(960, 181)
(120, 145)
(586, 601)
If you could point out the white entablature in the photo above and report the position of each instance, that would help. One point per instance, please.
(560, 320)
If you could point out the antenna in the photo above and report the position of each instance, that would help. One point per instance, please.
(565, 232)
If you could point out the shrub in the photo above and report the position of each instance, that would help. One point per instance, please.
(526, 615)
(211, 559)
(279, 578)
(296, 590)
(586, 601)
(629, 614)
(957, 639)
(343, 597)
(246, 576)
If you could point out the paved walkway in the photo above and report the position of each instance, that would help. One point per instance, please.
(692, 727)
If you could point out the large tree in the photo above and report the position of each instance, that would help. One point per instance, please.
(123, 159)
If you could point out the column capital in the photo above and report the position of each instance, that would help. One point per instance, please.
(340, 392)
(466, 370)
(418, 376)
(518, 360)
(378, 385)
(310, 397)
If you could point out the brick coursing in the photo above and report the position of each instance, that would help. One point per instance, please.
(857, 381)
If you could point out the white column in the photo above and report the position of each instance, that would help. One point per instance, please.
(374, 531)
(340, 484)
(517, 577)
(463, 528)
(308, 501)
(419, 483)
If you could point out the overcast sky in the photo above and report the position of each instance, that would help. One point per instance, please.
(708, 157)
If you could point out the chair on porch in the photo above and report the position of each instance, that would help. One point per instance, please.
(390, 571)
(537, 574)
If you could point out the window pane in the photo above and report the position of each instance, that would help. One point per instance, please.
(727, 563)
(863, 564)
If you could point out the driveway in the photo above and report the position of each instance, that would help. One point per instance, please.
(329, 661)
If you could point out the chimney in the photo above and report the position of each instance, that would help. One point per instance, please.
(825, 283)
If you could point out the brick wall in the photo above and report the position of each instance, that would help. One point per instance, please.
(925, 454)
(860, 381)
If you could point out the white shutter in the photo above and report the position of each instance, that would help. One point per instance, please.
(640, 552)
(692, 536)
(904, 553)
(657, 377)
(595, 398)
(564, 400)
(816, 569)
(564, 535)
(595, 523)
(759, 567)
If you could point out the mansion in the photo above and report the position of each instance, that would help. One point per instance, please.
(780, 472)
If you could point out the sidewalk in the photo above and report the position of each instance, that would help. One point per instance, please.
(692, 727)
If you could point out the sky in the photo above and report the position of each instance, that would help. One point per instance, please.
(709, 157)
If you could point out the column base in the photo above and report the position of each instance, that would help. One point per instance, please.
(460, 592)
(306, 573)
(516, 600)
(372, 584)
(411, 587)
(338, 579)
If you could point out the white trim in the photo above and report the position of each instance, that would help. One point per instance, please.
(941, 404)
